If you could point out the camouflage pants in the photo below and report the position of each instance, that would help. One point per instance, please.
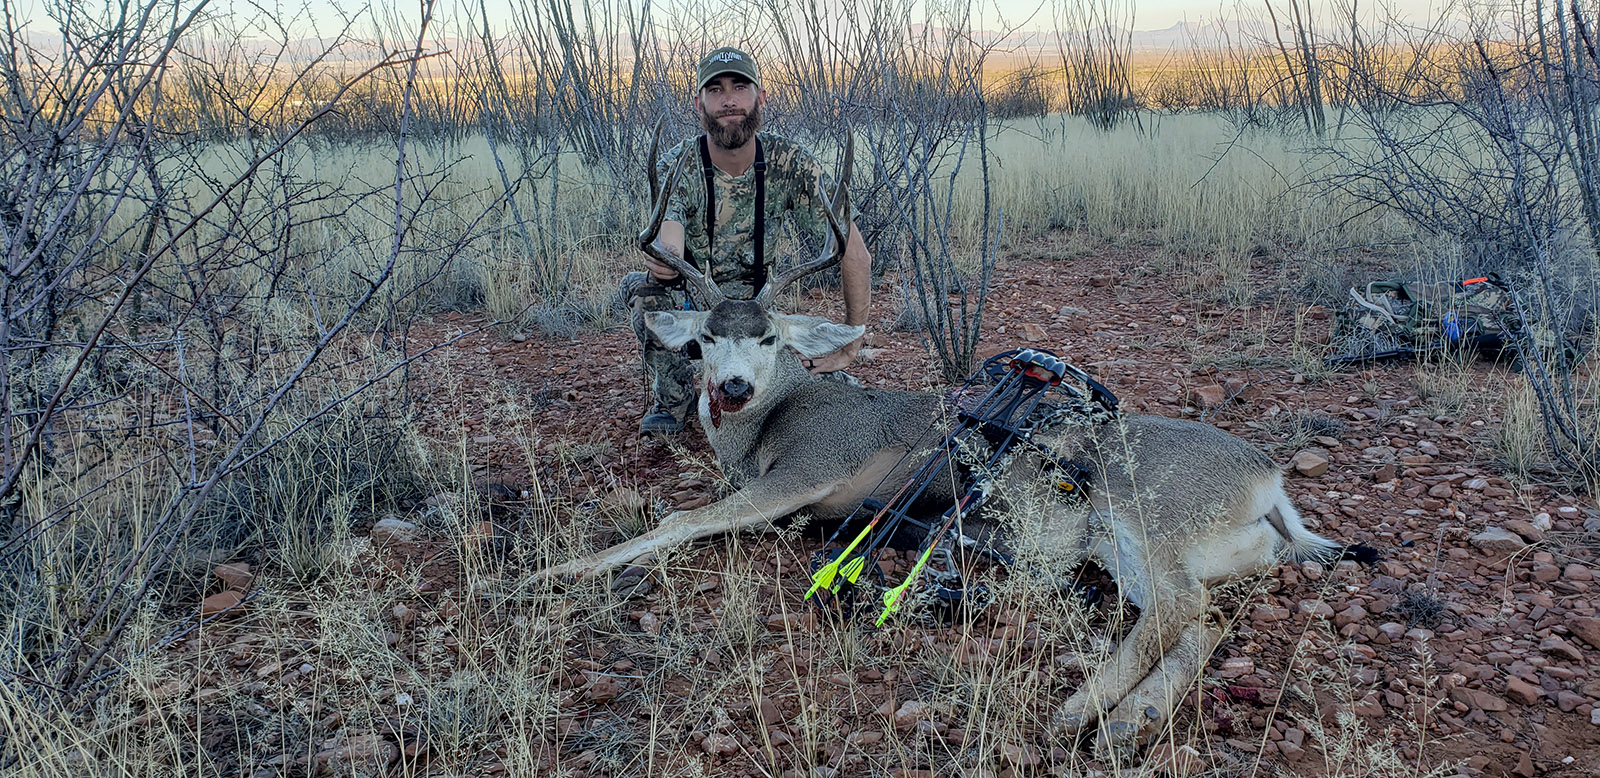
(672, 374)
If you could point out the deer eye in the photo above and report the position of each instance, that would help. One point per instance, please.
(707, 339)
(769, 340)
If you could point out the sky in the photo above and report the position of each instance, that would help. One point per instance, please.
(1028, 14)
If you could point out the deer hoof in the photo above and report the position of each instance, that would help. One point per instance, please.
(1070, 722)
(1117, 742)
(632, 582)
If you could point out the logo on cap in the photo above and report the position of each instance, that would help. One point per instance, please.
(726, 56)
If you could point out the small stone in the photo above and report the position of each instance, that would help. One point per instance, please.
(1527, 530)
(1392, 630)
(1577, 572)
(769, 712)
(1179, 761)
(1594, 717)
(1478, 698)
(1207, 397)
(1309, 464)
(361, 753)
(403, 699)
(1020, 756)
(235, 575)
(910, 713)
(1033, 333)
(519, 337)
(1568, 701)
(1522, 691)
(1497, 541)
(1555, 646)
(603, 688)
(1237, 667)
(222, 601)
(1586, 628)
(1355, 614)
(719, 744)
(1316, 609)
(391, 529)
(1441, 491)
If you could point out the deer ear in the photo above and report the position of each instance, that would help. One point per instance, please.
(675, 328)
(814, 337)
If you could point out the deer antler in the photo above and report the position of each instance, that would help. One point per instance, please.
(702, 289)
(837, 209)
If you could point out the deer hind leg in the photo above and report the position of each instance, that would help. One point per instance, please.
(758, 504)
(1170, 607)
(1142, 714)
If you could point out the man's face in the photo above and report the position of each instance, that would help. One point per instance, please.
(730, 110)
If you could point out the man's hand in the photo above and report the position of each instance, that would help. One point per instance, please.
(838, 360)
(670, 238)
(659, 271)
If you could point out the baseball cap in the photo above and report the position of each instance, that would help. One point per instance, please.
(726, 59)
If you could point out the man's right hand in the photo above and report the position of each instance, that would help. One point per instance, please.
(659, 271)
(669, 238)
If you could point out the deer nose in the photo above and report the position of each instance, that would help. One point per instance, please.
(736, 389)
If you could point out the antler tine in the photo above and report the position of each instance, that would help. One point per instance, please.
(838, 235)
(841, 193)
(650, 167)
(702, 289)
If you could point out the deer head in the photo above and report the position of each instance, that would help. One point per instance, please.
(749, 350)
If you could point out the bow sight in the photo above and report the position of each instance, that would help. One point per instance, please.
(985, 434)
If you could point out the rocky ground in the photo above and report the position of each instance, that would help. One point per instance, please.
(1471, 644)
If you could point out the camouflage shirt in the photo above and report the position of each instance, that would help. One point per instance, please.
(792, 188)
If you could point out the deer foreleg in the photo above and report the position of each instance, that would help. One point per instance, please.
(758, 504)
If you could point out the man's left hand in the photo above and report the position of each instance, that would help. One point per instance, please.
(838, 360)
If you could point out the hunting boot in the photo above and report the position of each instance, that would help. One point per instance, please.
(672, 374)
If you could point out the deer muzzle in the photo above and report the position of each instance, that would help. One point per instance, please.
(728, 396)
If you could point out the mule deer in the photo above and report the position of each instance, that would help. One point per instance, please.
(1172, 505)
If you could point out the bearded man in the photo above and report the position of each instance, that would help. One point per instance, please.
(754, 180)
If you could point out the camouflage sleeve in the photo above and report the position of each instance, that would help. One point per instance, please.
(806, 196)
(682, 205)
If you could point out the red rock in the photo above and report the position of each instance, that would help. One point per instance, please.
(1316, 609)
(1527, 530)
(1309, 464)
(1498, 541)
(1034, 333)
(1478, 698)
(235, 575)
(719, 744)
(1020, 756)
(1557, 647)
(1568, 701)
(1179, 761)
(1355, 614)
(360, 753)
(220, 602)
(603, 688)
(1522, 691)
(1207, 397)
(1586, 628)
(910, 713)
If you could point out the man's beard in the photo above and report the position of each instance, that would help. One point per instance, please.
(735, 136)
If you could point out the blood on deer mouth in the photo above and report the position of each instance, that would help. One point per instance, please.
(720, 402)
